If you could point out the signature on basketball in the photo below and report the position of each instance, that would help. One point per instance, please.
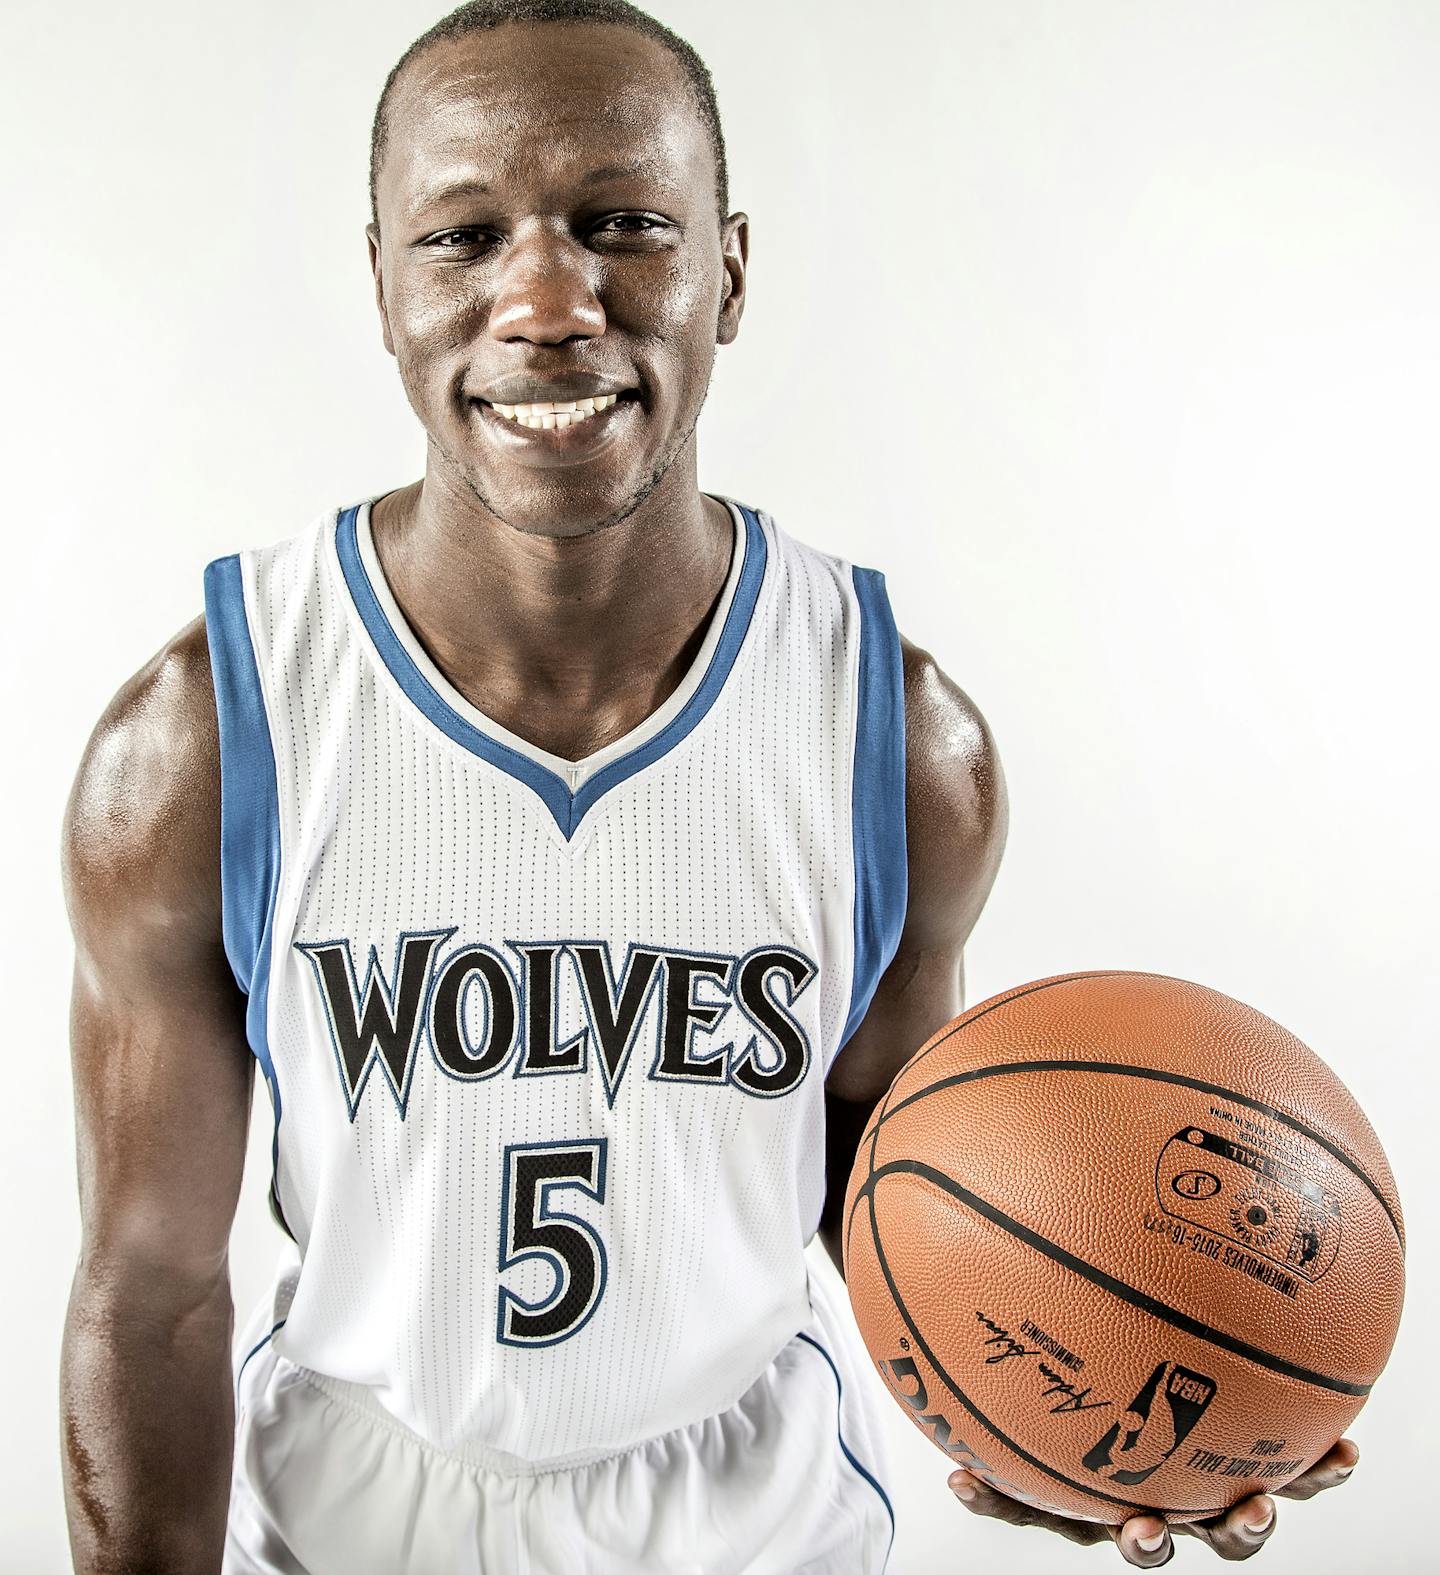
(1071, 1398)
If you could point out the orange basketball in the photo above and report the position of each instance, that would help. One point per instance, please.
(1117, 1242)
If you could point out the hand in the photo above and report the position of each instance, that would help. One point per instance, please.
(1144, 1540)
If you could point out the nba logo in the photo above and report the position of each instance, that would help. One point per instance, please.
(1171, 1401)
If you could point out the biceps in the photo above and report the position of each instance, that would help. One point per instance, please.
(919, 992)
(163, 1083)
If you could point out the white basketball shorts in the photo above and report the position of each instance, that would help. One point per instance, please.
(786, 1482)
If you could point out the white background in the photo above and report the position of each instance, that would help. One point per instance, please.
(1108, 330)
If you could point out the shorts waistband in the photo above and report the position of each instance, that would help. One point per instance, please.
(361, 1399)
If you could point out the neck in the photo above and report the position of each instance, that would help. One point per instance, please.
(576, 638)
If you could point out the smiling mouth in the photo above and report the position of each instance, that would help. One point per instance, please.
(547, 414)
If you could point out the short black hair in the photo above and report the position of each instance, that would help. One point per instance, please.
(480, 15)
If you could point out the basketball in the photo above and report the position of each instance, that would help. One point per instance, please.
(1118, 1243)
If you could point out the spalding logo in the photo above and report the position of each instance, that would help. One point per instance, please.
(1195, 1184)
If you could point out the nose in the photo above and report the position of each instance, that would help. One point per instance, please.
(547, 291)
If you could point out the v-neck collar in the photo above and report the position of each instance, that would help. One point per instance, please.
(568, 788)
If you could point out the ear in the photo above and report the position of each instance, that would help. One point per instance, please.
(372, 238)
(734, 254)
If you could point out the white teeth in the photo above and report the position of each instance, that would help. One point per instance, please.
(546, 413)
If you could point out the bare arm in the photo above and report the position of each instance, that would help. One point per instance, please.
(956, 817)
(163, 1082)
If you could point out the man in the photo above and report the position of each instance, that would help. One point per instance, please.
(579, 855)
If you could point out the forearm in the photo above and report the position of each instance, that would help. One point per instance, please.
(147, 1428)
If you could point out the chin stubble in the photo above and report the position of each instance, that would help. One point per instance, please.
(608, 521)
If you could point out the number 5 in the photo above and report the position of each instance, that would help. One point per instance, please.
(530, 1228)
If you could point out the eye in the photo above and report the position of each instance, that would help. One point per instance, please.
(645, 224)
(453, 240)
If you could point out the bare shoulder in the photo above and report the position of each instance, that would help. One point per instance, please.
(955, 824)
(956, 810)
(141, 841)
(162, 1072)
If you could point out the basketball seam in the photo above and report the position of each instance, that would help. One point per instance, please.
(975, 1411)
(1155, 1075)
(984, 1010)
(882, 1112)
(1107, 1282)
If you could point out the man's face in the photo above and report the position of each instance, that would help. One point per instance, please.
(548, 233)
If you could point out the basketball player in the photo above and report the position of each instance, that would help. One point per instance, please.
(578, 855)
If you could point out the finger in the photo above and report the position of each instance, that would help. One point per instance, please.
(1327, 1472)
(1242, 1531)
(1144, 1541)
(981, 1499)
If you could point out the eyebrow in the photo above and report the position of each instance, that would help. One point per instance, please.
(472, 186)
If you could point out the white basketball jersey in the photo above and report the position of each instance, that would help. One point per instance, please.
(546, 1040)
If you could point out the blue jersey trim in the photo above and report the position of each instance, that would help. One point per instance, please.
(254, 1349)
(249, 817)
(878, 798)
(844, 1447)
(568, 808)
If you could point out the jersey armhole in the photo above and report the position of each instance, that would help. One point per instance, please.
(249, 818)
(877, 796)
(249, 810)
